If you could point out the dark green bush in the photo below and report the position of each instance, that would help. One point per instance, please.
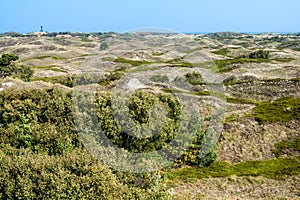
(260, 54)
(194, 78)
(9, 68)
(160, 78)
(103, 46)
(7, 59)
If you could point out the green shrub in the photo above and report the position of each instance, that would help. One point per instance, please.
(41, 155)
(76, 175)
(7, 59)
(9, 68)
(194, 78)
(86, 79)
(68, 81)
(260, 54)
(139, 106)
(103, 46)
(41, 120)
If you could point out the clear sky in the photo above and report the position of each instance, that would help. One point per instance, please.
(122, 15)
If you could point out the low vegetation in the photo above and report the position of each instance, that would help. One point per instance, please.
(259, 56)
(160, 78)
(275, 169)
(222, 52)
(282, 110)
(9, 68)
(194, 78)
(68, 81)
(284, 147)
(230, 64)
(232, 80)
(135, 63)
(42, 157)
(51, 68)
(73, 80)
(111, 77)
(42, 154)
(40, 149)
(240, 101)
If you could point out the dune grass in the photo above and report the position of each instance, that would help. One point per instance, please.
(274, 169)
(282, 110)
(52, 68)
(231, 64)
(222, 52)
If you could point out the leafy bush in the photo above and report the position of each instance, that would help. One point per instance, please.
(259, 54)
(7, 59)
(9, 68)
(25, 175)
(194, 78)
(139, 106)
(103, 46)
(73, 80)
(68, 81)
(38, 119)
(41, 155)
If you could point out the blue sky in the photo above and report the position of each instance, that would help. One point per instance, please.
(122, 15)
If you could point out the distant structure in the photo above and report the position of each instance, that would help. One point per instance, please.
(40, 33)
(63, 36)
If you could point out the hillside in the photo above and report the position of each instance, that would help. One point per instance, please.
(243, 87)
